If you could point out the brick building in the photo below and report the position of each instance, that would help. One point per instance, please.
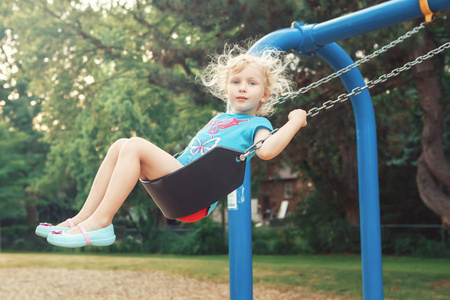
(278, 197)
(280, 194)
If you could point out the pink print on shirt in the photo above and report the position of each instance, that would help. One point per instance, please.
(214, 128)
(198, 146)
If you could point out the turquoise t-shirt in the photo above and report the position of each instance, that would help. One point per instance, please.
(235, 131)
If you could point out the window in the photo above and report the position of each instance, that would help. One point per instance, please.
(288, 190)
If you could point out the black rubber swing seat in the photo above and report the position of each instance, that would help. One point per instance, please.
(198, 184)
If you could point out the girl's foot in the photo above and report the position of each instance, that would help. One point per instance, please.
(43, 229)
(100, 237)
(76, 220)
(89, 224)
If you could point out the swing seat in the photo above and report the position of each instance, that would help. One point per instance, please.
(198, 184)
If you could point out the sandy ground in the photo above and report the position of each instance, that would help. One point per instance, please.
(48, 284)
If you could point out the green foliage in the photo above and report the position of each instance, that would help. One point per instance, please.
(142, 214)
(323, 226)
(206, 238)
(415, 242)
(284, 241)
(13, 168)
(21, 237)
(203, 237)
(87, 75)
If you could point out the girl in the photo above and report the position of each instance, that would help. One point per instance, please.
(250, 85)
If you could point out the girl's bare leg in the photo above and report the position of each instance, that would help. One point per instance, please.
(138, 158)
(99, 185)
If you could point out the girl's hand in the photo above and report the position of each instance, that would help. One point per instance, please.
(298, 116)
(277, 142)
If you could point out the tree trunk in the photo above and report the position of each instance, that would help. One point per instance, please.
(350, 185)
(31, 211)
(433, 170)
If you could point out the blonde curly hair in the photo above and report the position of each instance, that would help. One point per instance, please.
(234, 59)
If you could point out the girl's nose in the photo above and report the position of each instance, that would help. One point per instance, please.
(242, 88)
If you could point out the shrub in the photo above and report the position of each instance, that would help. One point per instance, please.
(206, 238)
(272, 241)
(322, 224)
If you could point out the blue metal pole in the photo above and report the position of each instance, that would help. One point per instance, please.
(367, 172)
(240, 240)
(311, 37)
(367, 164)
(367, 158)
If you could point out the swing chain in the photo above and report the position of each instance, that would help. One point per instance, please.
(355, 92)
(370, 84)
(252, 149)
(348, 68)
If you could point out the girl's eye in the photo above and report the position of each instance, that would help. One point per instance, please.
(252, 83)
(235, 82)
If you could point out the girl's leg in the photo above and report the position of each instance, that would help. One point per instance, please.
(138, 158)
(99, 185)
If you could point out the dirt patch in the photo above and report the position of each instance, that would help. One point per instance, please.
(438, 285)
(37, 283)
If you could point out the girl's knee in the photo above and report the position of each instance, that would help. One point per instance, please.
(134, 145)
(117, 145)
(136, 140)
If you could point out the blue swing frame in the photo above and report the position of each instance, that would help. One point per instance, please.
(319, 39)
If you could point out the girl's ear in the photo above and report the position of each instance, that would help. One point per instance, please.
(265, 96)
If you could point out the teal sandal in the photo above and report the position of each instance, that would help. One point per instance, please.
(43, 229)
(100, 237)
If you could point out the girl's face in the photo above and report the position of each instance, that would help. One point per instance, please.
(246, 90)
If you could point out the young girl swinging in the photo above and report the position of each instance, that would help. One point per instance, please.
(250, 85)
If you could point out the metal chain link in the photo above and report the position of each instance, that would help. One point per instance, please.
(348, 68)
(370, 84)
(358, 90)
(252, 149)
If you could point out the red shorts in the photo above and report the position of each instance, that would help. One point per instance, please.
(195, 217)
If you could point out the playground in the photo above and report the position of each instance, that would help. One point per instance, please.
(238, 275)
(95, 284)
(83, 276)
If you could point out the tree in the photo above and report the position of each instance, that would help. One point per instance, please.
(433, 168)
(109, 72)
(18, 107)
(13, 166)
(106, 71)
(395, 104)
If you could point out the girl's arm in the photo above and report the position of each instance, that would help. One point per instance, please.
(276, 143)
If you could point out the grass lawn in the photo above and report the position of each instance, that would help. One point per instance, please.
(404, 277)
